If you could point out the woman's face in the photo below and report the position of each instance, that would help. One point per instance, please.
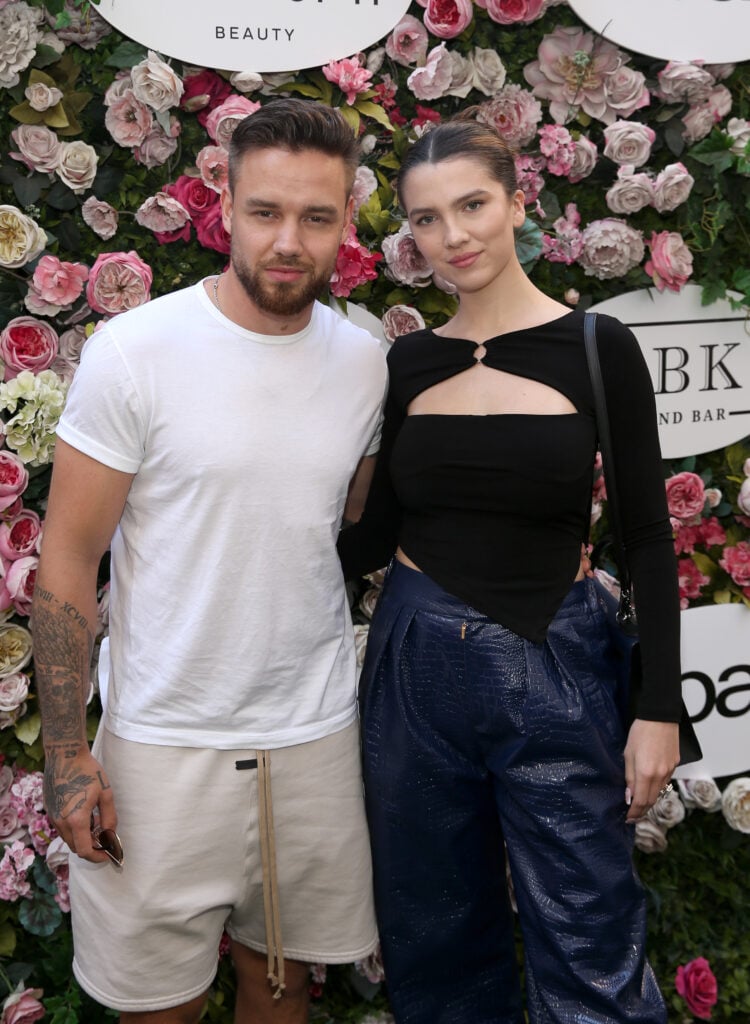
(462, 220)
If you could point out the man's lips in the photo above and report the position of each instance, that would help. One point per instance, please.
(285, 273)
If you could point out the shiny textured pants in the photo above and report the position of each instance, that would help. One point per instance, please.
(472, 737)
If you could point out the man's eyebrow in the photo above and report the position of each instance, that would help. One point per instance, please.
(256, 202)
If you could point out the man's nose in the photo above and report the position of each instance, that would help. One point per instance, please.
(288, 241)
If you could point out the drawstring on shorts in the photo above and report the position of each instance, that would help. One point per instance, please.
(276, 972)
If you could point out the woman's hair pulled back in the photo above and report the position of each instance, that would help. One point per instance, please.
(462, 137)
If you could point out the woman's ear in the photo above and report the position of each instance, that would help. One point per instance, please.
(519, 208)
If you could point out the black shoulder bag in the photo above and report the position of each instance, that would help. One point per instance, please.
(622, 616)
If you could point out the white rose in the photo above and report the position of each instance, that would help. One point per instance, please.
(628, 142)
(683, 82)
(14, 689)
(489, 71)
(432, 81)
(743, 498)
(672, 187)
(630, 193)
(246, 81)
(462, 75)
(41, 97)
(15, 648)
(701, 793)
(21, 238)
(610, 248)
(361, 631)
(272, 81)
(735, 804)
(19, 37)
(668, 810)
(368, 601)
(738, 129)
(650, 837)
(77, 165)
(375, 59)
(156, 84)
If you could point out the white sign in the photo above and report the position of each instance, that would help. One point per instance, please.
(716, 687)
(715, 31)
(255, 35)
(699, 360)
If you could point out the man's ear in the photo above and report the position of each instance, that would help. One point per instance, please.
(348, 218)
(226, 209)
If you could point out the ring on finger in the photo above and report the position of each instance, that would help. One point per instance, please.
(665, 789)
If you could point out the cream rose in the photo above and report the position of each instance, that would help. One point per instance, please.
(100, 217)
(489, 71)
(156, 84)
(610, 248)
(735, 804)
(246, 81)
(738, 129)
(585, 155)
(15, 648)
(668, 810)
(21, 238)
(41, 96)
(19, 36)
(650, 837)
(701, 793)
(77, 165)
(38, 147)
(462, 75)
(630, 193)
(683, 82)
(672, 187)
(14, 689)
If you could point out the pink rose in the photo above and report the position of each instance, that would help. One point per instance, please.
(400, 320)
(10, 830)
(14, 478)
(628, 142)
(405, 263)
(23, 1007)
(38, 147)
(209, 227)
(407, 43)
(128, 120)
(585, 156)
(447, 19)
(365, 183)
(14, 689)
(696, 983)
(672, 187)
(350, 76)
(222, 120)
(736, 561)
(743, 498)
(158, 146)
(683, 82)
(355, 264)
(625, 92)
(701, 118)
(690, 581)
(42, 96)
(213, 163)
(508, 12)
(118, 281)
(671, 262)
(27, 344)
(19, 536)
(686, 495)
(163, 214)
(100, 217)
(610, 248)
(57, 282)
(434, 79)
(631, 192)
(20, 580)
(514, 113)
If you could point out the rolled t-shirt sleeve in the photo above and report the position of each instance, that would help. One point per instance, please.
(103, 417)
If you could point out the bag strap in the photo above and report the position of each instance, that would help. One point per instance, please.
(626, 612)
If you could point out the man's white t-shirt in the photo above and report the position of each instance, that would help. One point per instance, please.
(229, 624)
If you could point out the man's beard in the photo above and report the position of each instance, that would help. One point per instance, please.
(282, 298)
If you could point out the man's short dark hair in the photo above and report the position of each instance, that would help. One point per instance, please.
(296, 125)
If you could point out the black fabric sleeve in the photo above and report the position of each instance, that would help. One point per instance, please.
(647, 532)
(371, 543)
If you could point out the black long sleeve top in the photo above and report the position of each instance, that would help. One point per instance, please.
(494, 508)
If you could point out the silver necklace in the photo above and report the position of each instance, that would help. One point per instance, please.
(216, 293)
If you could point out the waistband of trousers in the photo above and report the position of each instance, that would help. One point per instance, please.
(420, 591)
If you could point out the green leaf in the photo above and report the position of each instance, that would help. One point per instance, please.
(25, 114)
(352, 118)
(673, 137)
(312, 91)
(44, 56)
(40, 915)
(44, 877)
(28, 729)
(712, 291)
(28, 190)
(390, 160)
(705, 564)
(126, 55)
(528, 243)
(7, 939)
(374, 111)
(722, 596)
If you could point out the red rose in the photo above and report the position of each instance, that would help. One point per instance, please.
(696, 983)
(27, 344)
(194, 194)
(210, 229)
(203, 92)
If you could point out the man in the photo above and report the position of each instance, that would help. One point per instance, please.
(211, 435)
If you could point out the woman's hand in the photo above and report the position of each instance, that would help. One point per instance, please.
(651, 755)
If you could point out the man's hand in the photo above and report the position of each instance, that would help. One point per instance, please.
(651, 755)
(75, 787)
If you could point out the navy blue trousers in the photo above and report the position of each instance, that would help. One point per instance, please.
(476, 740)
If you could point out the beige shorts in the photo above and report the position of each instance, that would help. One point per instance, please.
(146, 936)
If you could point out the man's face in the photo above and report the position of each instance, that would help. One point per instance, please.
(287, 217)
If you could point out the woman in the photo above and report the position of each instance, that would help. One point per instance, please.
(481, 724)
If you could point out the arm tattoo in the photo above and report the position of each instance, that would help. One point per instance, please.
(64, 788)
(63, 645)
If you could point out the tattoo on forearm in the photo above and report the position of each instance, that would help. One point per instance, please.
(64, 789)
(63, 644)
(74, 614)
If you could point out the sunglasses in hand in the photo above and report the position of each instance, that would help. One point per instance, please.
(107, 839)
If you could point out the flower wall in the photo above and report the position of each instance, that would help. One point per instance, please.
(112, 160)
